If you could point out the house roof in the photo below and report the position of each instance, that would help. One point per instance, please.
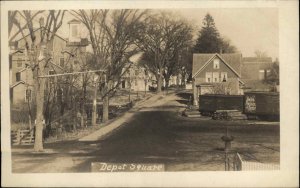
(74, 21)
(257, 59)
(232, 60)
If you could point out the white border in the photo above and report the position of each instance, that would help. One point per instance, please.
(289, 67)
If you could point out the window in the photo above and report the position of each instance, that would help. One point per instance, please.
(51, 72)
(61, 62)
(136, 72)
(74, 30)
(268, 73)
(18, 76)
(123, 84)
(59, 94)
(208, 76)
(216, 63)
(28, 95)
(223, 76)
(19, 63)
(261, 75)
(216, 77)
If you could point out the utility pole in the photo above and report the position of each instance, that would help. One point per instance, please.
(39, 86)
(95, 91)
(129, 89)
(94, 111)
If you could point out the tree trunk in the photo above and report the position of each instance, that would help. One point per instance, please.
(159, 83)
(94, 111)
(195, 94)
(39, 85)
(167, 84)
(105, 109)
(183, 80)
(129, 90)
(83, 106)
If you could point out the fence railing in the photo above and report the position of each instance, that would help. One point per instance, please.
(23, 136)
(242, 165)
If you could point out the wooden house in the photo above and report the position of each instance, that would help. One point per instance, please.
(216, 74)
(65, 56)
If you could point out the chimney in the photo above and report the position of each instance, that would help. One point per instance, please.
(221, 51)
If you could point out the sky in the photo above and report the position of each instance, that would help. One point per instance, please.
(249, 29)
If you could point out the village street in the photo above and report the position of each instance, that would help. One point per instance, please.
(158, 133)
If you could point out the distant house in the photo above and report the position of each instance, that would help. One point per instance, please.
(65, 55)
(216, 74)
(175, 80)
(255, 72)
(135, 78)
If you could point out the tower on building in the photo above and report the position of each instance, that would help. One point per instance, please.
(74, 34)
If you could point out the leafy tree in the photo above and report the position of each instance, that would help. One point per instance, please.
(185, 64)
(226, 47)
(273, 77)
(209, 39)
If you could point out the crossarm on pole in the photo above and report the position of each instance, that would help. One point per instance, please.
(70, 73)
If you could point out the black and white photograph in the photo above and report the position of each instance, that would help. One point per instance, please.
(133, 89)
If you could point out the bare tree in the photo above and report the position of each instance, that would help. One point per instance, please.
(260, 53)
(112, 37)
(185, 64)
(162, 41)
(37, 47)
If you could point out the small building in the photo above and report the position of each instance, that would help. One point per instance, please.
(255, 72)
(136, 78)
(216, 74)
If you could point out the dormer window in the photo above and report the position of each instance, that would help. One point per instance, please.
(216, 63)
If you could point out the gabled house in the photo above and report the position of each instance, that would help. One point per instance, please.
(136, 78)
(216, 74)
(256, 71)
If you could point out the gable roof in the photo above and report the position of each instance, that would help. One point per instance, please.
(257, 59)
(232, 60)
(74, 21)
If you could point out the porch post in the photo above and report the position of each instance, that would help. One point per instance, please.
(195, 93)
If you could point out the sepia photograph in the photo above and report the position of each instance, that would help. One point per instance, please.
(143, 90)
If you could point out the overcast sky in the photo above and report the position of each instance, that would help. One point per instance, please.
(249, 29)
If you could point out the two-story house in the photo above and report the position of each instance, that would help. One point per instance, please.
(65, 57)
(136, 78)
(216, 74)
